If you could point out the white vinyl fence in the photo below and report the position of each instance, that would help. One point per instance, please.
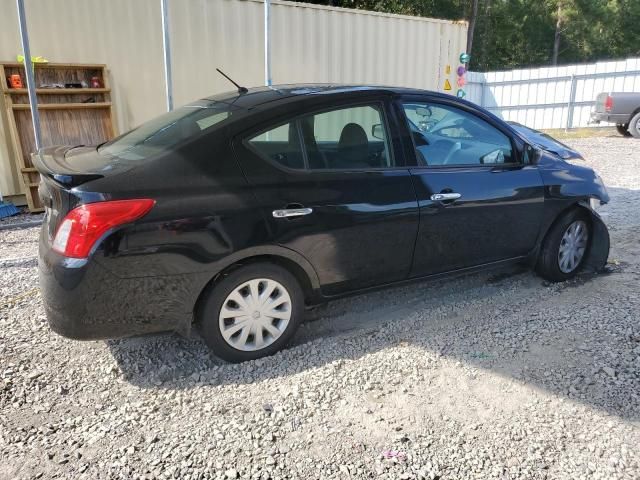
(551, 97)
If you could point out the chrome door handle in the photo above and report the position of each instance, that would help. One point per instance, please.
(291, 212)
(440, 197)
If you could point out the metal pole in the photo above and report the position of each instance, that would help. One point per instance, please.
(28, 72)
(267, 43)
(166, 48)
(571, 103)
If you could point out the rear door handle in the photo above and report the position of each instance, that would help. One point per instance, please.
(292, 212)
(441, 197)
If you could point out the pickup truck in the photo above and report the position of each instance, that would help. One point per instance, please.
(623, 109)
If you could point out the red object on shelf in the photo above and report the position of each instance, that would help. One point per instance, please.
(95, 82)
(15, 81)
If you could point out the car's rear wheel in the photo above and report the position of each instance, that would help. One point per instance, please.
(565, 247)
(634, 125)
(623, 129)
(252, 312)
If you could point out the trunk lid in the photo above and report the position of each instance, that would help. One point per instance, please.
(63, 168)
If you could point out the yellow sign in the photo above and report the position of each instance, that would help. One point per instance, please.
(448, 69)
(447, 84)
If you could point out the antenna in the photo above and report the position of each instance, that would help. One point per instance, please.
(241, 90)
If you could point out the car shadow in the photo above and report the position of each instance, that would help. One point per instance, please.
(574, 339)
(547, 348)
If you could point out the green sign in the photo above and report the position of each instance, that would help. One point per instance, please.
(461, 93)
(465, 57)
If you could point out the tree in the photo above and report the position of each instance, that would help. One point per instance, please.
(556, 38)
(473, 18)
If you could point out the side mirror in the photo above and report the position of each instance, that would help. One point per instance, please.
(377, 131)
(496, 156)
(530, 154)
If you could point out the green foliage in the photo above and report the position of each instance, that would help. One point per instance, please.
(520, 33)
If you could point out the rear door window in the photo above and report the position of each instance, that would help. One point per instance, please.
(347, 138)
(350, 138)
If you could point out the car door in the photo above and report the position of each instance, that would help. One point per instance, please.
(333, 186)
(480, 201)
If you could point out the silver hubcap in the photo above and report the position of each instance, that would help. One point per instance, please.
(255, 314)
(573, 246)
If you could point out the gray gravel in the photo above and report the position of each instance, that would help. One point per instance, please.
(23, 217)
(495, 375)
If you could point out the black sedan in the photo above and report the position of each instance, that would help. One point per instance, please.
(238, 211)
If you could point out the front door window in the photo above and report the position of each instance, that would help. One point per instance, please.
(448, 136)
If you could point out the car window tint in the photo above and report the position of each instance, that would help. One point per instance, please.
(346, 138)
(445, 135)
(212, 119)
(166, 131)
(281, 145)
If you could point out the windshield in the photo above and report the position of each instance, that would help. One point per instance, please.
(166, 131)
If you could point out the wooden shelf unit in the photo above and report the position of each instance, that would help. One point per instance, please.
(58, 91)
(62, 106)
(68, 116)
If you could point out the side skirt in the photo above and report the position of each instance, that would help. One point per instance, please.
(450, 274)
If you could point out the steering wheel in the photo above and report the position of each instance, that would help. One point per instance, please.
(458, 122)
(455, 148)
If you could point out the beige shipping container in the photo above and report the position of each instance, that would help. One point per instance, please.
(309, 43)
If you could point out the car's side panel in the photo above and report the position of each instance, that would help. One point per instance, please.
(566, 185)
(362, 228)
(204, 212)
(497, 217)
(498, 214)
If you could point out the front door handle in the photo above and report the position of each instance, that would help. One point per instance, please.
(442, 197)
(292, 212)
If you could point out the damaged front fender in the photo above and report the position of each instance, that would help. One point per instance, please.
(598, 252)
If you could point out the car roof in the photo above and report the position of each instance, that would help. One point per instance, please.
(274, 94)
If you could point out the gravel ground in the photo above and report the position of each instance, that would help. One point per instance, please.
(23, 217)
(494, 375)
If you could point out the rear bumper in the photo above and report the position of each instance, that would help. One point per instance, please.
(617, 118)
(85, 301)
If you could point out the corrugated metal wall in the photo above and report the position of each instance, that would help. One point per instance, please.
(552, 97)
(310, 43)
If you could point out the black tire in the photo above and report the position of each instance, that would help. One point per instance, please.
(634, 125)
(215, 296)
(623, 130)
(548, 265)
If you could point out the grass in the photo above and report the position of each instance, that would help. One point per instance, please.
(561, 133)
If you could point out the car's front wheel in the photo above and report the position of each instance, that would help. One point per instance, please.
(252, 312)
(565, 247)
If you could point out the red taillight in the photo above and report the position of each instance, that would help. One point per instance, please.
(83, 226)
(608, 103)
